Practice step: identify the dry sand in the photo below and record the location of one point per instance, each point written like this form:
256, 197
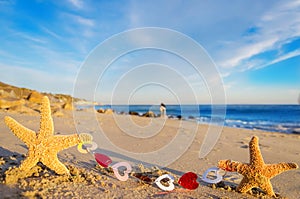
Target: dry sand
89, 180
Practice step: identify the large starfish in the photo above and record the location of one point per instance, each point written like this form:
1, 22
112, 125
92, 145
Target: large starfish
43, 146
256, 173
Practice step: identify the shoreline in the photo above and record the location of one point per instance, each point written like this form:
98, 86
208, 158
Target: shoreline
266, 124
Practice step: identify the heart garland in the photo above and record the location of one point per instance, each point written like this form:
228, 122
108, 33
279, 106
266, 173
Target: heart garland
187, 180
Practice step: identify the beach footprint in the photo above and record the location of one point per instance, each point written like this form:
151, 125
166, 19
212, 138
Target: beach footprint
245, 145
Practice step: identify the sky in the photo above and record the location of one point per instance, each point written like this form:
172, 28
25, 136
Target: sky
253, 45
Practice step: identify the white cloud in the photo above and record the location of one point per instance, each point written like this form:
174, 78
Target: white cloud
85, 21
51, 33
220, 27
31, 38
274, 29
247, 51
62, 61
281, 58
226, 37
76, 3
77, 20
78, 33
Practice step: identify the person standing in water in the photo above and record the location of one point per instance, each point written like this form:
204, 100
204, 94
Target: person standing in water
163, 110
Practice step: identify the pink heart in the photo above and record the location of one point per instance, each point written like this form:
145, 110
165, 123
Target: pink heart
189, 181
102, 159
116, 167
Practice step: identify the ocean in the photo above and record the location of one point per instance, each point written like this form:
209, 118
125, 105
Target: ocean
274, 118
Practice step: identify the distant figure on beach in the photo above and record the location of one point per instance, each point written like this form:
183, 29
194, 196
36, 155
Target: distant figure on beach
163, 110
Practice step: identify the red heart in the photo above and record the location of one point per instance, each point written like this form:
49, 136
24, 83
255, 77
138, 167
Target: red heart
102, 159
189, 181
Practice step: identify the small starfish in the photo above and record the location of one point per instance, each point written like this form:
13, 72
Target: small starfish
256, 173
43, 146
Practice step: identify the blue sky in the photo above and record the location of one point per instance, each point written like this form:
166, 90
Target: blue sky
254, 45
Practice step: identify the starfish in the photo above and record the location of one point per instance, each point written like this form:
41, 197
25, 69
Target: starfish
256, 173
44, 145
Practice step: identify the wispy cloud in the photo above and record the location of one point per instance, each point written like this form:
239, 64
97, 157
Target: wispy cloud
85, 21
275, 29
51, 33
241, 38
77, 19
57, 60
6, 2
76, 3
262, 28
281, 58
247, 51
32, 78
35, 39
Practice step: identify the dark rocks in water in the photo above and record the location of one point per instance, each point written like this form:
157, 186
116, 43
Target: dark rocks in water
191, 117
100, 110
133, 113
296, 131
179, 117
106, 111
149, 114
109, 111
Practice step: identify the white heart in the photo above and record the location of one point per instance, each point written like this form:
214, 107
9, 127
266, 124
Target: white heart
216, 171
170, 182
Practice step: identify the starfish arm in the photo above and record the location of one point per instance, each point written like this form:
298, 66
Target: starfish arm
245, 185
255, 154
272, 170
52, 162
267, 187
62, 142
26, 135
233, 166
13, 175
28, 163
46, 122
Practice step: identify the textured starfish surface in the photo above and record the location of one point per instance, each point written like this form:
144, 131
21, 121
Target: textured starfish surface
44, 145
256, 173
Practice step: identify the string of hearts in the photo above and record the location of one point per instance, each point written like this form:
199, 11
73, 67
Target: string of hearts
187, 180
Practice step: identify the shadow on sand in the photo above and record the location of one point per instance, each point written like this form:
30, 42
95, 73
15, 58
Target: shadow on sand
11, 159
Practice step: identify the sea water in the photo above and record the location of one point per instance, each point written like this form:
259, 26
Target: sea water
275, 118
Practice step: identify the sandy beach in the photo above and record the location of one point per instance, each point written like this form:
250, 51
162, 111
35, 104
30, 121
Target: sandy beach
89, 180
150, 99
